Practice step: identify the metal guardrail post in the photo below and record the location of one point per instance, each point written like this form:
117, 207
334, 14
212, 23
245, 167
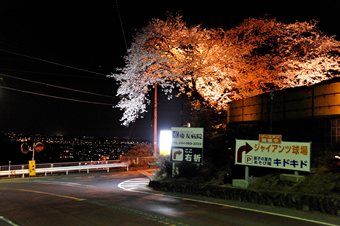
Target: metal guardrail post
22, 167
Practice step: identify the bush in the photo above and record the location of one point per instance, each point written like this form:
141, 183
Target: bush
188, 170
134, 165
165, 167
322, 182
141, 150
143, 162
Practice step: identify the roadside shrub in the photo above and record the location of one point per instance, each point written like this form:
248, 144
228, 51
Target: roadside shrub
165, 167
144, 162
188, 170
141, 150
321, 182
134, 165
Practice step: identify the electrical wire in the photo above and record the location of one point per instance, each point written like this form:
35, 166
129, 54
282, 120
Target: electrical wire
59, 87
126, 46
56, 97
51, 62
121, 25
57, 74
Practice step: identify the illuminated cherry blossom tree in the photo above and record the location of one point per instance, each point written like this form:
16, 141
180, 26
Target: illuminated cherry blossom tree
283, 55
215, 66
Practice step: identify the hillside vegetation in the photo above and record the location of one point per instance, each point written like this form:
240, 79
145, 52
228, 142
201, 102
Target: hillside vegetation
324, 179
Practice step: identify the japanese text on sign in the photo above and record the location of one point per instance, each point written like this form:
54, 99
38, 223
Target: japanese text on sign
269, 138
284, 155
187, 145
187, 137
277, 162
191, 157
294, 149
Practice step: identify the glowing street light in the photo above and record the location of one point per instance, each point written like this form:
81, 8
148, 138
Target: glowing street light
165, 142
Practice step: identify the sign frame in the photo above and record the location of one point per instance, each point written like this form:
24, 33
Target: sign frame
284, 155
187, 145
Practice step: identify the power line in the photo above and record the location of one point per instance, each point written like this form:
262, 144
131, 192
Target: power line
51, 62
121, 25
60, 87
55, 97
57, 74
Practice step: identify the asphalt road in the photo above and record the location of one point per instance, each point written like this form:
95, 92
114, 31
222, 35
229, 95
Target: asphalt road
123, 198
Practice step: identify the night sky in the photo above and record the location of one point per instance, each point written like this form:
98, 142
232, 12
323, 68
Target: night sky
48, 46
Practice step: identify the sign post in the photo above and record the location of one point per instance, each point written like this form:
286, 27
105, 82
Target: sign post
31, 168
9, 167
31, 164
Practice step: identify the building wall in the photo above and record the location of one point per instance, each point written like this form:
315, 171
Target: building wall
307, 112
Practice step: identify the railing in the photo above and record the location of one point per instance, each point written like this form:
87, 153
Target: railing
140, 161
61, 167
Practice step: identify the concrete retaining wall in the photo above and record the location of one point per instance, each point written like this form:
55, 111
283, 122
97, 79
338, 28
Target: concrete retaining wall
324, 204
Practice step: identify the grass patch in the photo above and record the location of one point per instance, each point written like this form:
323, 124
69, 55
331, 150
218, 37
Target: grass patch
324, 180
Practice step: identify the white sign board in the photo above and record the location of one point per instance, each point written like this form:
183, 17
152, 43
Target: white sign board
282, 155
187, 145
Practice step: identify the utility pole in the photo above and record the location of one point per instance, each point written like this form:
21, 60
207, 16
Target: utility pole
182, 111
271, 111
155, 123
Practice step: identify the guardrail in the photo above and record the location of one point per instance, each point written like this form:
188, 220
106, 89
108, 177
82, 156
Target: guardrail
61, 167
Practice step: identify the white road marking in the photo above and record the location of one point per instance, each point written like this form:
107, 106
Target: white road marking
65, 183
60, 183
258, 211
133, 184
150, 176
70, 184
8, 221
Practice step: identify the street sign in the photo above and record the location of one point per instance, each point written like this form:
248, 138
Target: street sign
282, 155
187, 145
177, 154
270, 138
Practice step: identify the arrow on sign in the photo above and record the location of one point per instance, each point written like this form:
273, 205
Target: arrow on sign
177, 153
247, 148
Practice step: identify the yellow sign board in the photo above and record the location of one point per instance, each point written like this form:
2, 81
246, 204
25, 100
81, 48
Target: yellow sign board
31, 168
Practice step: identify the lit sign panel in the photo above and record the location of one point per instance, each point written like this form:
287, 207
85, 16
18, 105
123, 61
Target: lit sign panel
273, 153
187, 144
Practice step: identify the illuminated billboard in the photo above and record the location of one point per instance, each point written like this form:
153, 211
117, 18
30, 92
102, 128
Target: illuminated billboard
273, 153
187, 144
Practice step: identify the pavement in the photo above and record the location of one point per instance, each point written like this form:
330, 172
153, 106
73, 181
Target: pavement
150, 173
315, 217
